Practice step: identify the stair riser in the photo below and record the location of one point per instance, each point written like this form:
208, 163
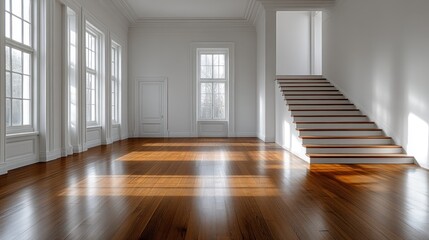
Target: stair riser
362, 160
312, 113
346, 141
287, 98
355, 150
336, 126
321, 107
286, 88
317, 101
341, 133
330, 119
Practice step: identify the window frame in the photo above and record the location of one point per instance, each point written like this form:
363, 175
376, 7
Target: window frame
212, 51
96, 33
116, 82
24, 48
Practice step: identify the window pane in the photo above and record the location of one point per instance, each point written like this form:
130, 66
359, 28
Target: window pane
222, 72
7, 25
209, 59
26, 87
203, 59
27, 34
16, 112
7, 5
216, 59
16, 29
16, 60
206, 101
7, 59
27, 10
26, 112
26, 63
8, 84
17, 7
216, 72
222, 59
8, 112
16, 85
219, 105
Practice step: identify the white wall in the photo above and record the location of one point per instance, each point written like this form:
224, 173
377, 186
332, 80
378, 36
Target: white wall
266, 73
163, 50
377, 52
293, 43
260, 31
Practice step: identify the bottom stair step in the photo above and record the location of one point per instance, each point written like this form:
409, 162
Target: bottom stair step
361, 158
354, 149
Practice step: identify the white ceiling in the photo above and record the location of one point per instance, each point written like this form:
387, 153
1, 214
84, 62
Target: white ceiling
141, 10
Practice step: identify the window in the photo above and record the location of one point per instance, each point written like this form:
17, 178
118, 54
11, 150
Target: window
92, 48
116, 71
212, 84
19, 65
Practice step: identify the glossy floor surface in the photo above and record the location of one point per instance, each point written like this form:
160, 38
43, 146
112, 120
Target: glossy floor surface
210, 189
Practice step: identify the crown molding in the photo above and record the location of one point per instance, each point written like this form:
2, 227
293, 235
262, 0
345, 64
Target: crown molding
126, 10
296, 4
250, 14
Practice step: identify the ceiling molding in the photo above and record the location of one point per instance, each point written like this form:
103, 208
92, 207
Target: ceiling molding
296, 4
126, 9
249, 17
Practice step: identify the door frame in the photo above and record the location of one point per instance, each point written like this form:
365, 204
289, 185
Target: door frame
139, 80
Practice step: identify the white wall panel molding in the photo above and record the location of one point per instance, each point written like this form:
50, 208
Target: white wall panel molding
22, 149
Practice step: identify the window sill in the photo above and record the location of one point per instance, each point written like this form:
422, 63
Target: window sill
212, 121
94, 127
116, 125
20, 135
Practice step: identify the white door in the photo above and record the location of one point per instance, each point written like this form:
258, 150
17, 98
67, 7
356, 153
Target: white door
152, 109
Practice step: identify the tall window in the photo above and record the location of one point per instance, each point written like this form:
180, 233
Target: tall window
213, 84
116, 71
92, 46
19, 65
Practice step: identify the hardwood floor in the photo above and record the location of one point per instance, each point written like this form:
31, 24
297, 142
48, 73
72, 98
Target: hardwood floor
210, 189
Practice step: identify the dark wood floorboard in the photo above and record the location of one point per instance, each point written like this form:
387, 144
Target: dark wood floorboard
210, 189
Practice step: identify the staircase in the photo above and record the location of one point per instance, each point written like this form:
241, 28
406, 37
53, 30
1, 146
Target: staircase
332, 129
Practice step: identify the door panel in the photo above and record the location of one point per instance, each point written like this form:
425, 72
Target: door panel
152, 108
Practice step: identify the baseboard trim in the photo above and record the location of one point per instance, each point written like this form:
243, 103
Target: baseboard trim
246, 134
50, 156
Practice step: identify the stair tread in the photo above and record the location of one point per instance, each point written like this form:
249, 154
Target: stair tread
339, 129
298, 82
312, 90
330, 116
323, 110
320, 104
299, 79
363, 122
346, 137
359, 155
306, 86
353, 146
